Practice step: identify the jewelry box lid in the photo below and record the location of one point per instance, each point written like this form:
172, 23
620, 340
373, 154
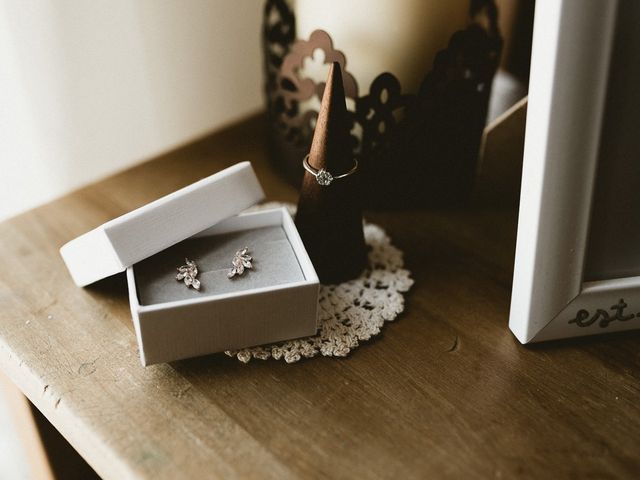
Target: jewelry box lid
134, 236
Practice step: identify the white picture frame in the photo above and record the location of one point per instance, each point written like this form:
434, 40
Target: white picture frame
570, 70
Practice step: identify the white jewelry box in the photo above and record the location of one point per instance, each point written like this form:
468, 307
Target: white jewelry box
275, 301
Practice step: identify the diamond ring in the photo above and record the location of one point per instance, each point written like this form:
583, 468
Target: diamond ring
324, 177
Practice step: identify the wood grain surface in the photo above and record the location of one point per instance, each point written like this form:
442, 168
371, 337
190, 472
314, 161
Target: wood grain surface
445, 392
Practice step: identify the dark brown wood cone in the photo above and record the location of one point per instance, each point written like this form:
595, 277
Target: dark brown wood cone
329, 218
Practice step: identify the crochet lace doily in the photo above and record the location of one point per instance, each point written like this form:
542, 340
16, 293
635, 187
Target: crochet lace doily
350, 312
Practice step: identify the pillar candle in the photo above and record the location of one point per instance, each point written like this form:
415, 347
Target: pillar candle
376, 36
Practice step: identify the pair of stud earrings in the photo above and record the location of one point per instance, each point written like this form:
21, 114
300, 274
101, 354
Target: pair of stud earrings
240, 263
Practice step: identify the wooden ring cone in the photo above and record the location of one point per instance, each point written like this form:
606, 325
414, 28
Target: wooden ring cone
329, 217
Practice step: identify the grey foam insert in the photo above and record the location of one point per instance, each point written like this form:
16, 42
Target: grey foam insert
274, 263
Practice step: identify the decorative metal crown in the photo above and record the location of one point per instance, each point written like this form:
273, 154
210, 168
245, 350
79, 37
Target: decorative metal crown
414, 148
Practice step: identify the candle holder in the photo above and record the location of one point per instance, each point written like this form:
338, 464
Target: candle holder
413, 148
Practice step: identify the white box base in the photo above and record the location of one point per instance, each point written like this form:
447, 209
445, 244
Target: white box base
277, 301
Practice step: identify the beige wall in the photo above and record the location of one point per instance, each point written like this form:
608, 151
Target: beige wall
91, 87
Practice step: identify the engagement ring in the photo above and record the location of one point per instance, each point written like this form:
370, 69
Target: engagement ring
324, 177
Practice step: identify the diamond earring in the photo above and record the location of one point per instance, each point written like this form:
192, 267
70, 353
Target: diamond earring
241, 261
188, 274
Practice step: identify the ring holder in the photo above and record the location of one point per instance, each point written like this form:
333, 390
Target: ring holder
414, 148
329, 219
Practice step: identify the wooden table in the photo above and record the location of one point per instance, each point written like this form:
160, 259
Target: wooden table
445, 392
